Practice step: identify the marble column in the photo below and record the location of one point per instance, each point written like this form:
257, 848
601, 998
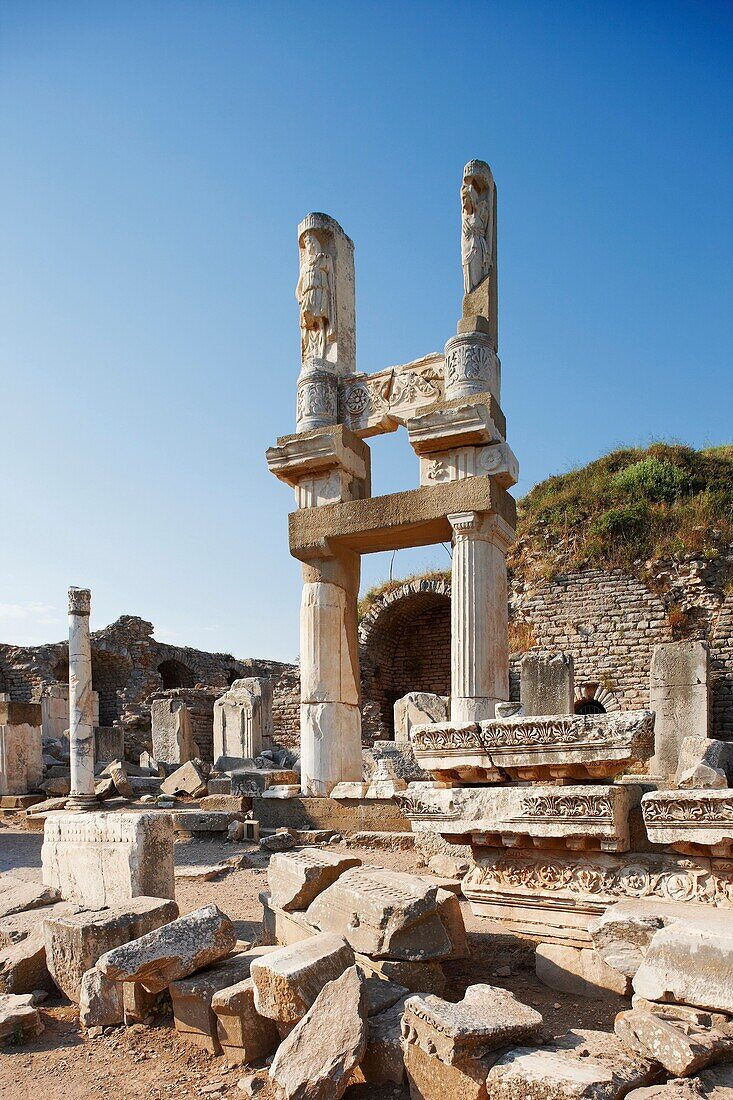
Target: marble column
479, 615
81, 710
330, 718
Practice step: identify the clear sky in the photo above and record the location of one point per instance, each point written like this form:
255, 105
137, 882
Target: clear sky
157, 157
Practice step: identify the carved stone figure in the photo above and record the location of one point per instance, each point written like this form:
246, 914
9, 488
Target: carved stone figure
477, 229
315, 294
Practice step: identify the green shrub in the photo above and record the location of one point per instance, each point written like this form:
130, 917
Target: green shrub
653, 479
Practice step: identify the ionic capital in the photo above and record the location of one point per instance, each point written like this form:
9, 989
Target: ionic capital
483, 526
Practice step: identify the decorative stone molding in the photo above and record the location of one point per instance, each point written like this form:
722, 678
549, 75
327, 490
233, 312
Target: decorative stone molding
690, 820
80, 601
317, 405
471, 366
371, 404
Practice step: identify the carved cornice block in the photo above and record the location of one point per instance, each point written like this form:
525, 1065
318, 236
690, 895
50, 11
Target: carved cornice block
690, 820
454, 426
495, 460
596, 746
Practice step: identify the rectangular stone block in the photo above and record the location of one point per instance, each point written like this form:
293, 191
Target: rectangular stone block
172, 731
690, 962
547, 684
296, 878
192, 997
109, 743
244, 1035
108, 858
21, 748
287, 981
678, 695
579, 971
75, 941
243, 718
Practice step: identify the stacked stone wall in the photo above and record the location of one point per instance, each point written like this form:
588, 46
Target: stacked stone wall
721, 671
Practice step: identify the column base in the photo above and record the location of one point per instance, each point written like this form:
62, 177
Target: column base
472, 710
79, 803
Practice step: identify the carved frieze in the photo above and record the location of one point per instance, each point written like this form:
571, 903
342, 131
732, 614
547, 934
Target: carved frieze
690, 820
370, 404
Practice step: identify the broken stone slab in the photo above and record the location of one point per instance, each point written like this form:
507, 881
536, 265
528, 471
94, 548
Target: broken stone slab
703, 763
108, 858
459, 1034
19, 1018
418, 708
19, 926
349, 790
118, 775
46, 806
189, 779
206, 821
383, 1062
287, 981
75, 941
382, 994
680, 1045
384, 914
282, 790
715, 1083
579, 1066
577, 816
253, 781
451, 917
448, 866
173, 951
690, 820
622, 934
318, 1057
547, 683
579, 746
578, 970
244, 1035
691, 962
416, 977
17, 895
192, 997
23, 964
100, 1000
279, 841
296, 878
230, 803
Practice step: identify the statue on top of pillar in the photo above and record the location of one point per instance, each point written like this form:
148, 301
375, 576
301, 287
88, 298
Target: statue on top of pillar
477, 223
316, 297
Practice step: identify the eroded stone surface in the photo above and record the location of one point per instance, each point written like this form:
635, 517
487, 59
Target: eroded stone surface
17, 895
690, 962
296, 878
703, 762
193, 1011
383, 1062
690, 819
578, 970
622, 934
287, 981
173, 951
682, 1045
19, 1018
100, 1000
317, 1058
244, 1035
188, 779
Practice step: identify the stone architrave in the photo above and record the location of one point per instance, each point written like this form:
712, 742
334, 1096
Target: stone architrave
172, 731
326, 298
479, 615
243, 719
577, 746
330, 719
678, 695
108, 858
21, 748
81, 709
417, 708
324, 466
574, 817
547, 684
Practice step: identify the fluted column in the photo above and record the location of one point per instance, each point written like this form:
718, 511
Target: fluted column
479, 615
81, 711
330, 719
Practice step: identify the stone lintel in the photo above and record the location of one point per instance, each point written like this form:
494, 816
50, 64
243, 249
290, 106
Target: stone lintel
416, 517
319, 450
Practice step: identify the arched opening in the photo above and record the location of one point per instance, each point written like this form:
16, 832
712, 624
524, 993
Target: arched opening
592, 698
110, 675
233, 675
175, 674
589, 706
405, 645
61, 670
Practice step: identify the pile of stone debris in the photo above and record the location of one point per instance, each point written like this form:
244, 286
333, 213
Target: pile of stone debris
346, 986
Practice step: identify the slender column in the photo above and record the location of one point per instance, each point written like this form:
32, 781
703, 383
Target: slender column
330, 719
81, 711
479, 615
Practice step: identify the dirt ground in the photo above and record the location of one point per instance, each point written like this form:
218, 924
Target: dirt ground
151, 1062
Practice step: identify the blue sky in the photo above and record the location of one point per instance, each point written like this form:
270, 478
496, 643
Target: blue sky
157, 157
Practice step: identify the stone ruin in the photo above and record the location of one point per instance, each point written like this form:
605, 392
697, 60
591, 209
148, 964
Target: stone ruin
604, 839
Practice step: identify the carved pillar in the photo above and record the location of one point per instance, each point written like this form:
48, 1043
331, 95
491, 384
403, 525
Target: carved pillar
81, 710
479, 615
330, 719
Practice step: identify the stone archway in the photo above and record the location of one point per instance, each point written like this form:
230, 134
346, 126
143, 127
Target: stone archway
404, 645
592, 698
175, 674
110, 675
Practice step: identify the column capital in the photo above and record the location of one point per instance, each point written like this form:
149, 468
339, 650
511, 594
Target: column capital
486, 526
80, 601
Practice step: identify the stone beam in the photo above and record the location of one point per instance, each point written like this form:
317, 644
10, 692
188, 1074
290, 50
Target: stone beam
416, 517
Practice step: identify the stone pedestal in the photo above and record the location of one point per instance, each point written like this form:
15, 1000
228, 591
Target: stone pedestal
678, 694
21, 763
172, 731
547, 684
243, 719
81, 707
330, 719
479, 618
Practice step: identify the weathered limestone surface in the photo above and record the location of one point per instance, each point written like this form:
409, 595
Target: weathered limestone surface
383, 913
75, 941
578, 970
17, 895
678, 695
23, 964
417, 708
244, 1035
622, 933
597, 815
287, 982
703, 762
383, 1062
188, 779
173, 951
243, 718
319, 1055
296, 878
21, 748
107, 858
715, 1083
594, 746
682, 1042
547, 684
554, 896
172, 731
690, 820
582, 1064
416, 977
19, 1016
690, 962
100, 1000
192, 997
